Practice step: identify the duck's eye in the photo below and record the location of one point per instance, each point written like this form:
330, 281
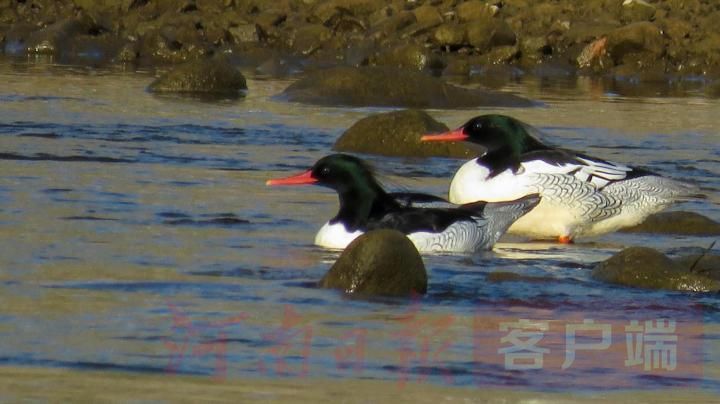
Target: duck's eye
477, 125
325, 171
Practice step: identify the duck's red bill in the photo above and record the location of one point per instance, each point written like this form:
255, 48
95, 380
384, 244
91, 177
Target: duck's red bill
300, 179
456, 135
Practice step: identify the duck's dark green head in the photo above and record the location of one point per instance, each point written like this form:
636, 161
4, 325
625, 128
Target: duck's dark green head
493, 133
340, 172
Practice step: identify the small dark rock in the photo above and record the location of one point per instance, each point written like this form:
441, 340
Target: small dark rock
687, 223
398, 133
204, 76
376, 86
643, 267
380, 262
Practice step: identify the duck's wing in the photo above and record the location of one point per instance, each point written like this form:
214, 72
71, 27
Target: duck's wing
598, 172
420, 200
433, 220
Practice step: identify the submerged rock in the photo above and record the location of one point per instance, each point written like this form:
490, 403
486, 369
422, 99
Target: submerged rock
687, 223
398, 133
380, 262
388, 87
505, 276
643, 267
203, 76
702, 264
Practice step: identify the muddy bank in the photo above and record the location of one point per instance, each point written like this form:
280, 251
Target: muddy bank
646, 41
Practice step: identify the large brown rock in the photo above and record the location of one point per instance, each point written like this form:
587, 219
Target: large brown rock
646, 268
677, 222
380, 262
202, 76
398, 133
387, 87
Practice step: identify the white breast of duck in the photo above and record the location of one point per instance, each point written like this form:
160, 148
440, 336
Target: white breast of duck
461, 236
335, 235
568, 206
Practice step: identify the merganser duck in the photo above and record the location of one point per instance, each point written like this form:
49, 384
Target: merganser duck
581, 195
430, 222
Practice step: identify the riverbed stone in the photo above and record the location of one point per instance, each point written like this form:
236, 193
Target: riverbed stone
637, 10
53, 38
684, 37
203, 76
474, 10
639, 37
389, 87
490, 32
646, 268
378, 263
412, 56
427, 16
244, 33
676, 222
309, 38
450, 34
398, 133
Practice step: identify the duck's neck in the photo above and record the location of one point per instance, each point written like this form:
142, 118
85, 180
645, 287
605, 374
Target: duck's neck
359, 204
509, 156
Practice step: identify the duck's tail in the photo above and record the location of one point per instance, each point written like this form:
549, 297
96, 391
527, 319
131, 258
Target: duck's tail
501, 215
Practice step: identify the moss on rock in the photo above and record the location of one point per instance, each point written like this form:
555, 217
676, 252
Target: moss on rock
398, 133
646, 268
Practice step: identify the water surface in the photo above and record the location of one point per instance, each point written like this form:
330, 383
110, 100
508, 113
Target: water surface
137, 235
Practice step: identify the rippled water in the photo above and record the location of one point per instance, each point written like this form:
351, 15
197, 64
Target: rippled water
136, 234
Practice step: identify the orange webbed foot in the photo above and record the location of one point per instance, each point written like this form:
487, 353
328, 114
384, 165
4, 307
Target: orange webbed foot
565, 240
